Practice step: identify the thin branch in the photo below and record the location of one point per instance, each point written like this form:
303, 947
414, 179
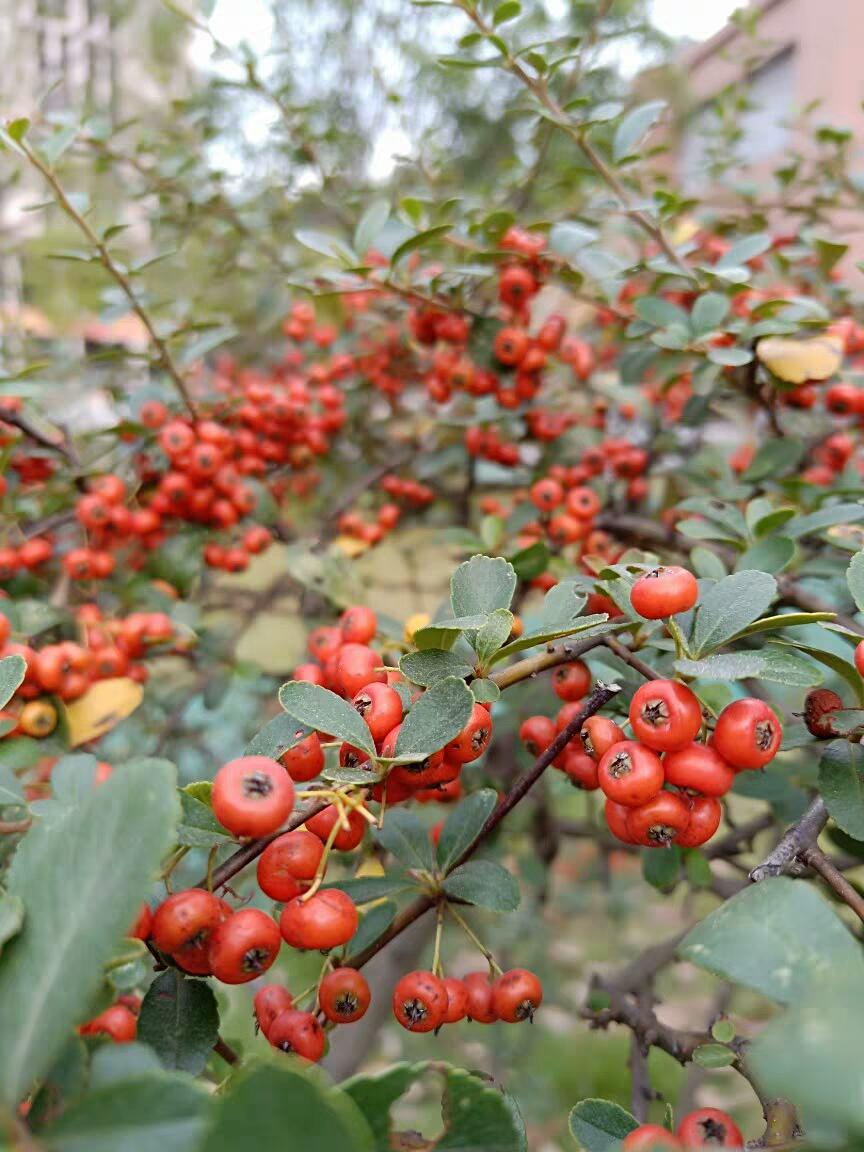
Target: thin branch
625, 654
223, 1049
786, 857
601, 695
819, 862
164, 358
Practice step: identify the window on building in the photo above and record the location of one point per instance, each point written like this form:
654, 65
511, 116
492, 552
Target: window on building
764, 126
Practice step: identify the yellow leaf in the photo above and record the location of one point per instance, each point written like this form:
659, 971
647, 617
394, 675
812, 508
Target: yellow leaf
797, 361
371, 866
415, 623
101, 708
685, 230
350, 546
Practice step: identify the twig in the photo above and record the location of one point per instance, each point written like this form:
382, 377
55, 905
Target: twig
164, 357
223, 1049
787, 856
624, 653
819, 862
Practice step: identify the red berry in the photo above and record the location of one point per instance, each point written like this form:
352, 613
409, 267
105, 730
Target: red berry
580, 769
270, 1001
252, 796
344, 995
457, 1000
598, 734
358, 625
709, 1128
664, 592
480, 1006
420, 1002
243, 946
630, 774
287, 861
347, 839
184, 918
705, 816
516, 995
381, 708
537, 733
571, 681
474, 738
300, 1033
698, 768
747, 734
650, 1138
326, 920
659, 821
304, 760
665, 715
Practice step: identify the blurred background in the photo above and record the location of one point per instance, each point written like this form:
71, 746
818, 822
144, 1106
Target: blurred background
174, 134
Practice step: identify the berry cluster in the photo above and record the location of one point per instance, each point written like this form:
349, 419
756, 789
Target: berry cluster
702, 1128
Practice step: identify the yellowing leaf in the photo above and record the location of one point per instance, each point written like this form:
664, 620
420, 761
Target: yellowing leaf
101, 708
796, 361
371, 866
415, 623
685, 230
350, 546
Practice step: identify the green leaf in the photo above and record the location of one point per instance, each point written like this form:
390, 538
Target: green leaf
600, 1126
370, 225
730, 605
825, 518
812, 1054
148, 1113
365, 889
768, 664
12, 672
420, 239
774, 458
485, 883
698, 869
82, 880
263, 1106
709, 312
714, 1056
770, 555
276, 737
509, 10
778, 937
198, 827
723, 1030
784, 620
11, 917
373, 923
431, 665
841, 782
478, 1115
569, 237
493, 635
855, 579
661, 867
730, 357
481, 585
485, 691
634, 127
324, 711
436, 718
744, 250
405, 838
660, 313
584, 627
531, 561
463, 825
11, 788
836, 663
320, 242
180, 1021
707, 564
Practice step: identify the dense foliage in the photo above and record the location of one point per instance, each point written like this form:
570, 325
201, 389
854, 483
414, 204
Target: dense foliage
623, 423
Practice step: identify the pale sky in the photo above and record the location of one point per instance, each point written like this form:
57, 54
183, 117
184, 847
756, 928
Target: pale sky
233, 23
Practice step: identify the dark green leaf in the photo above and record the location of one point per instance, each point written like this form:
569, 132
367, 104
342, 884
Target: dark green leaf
661, 867
855, 579
730, 605
421, 239
774, 458
404, 837
276, 737
436, 718
463, 825
841, 782
600, 1126
493, 635
180, 1021
825, 518
198, 827
323, 710
485, 883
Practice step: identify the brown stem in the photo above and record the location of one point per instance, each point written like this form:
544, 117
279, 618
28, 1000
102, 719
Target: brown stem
819, 862
551, 658
801, 836
624, 653
223, 1049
